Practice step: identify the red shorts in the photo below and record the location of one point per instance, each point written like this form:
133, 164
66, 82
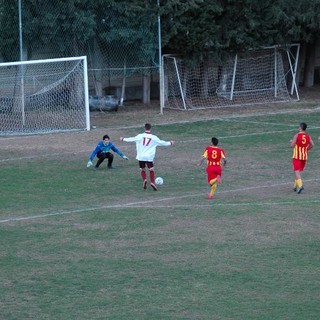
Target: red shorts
213, 172
298, 165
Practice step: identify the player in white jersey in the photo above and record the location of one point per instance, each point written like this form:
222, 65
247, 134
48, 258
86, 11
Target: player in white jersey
146, 145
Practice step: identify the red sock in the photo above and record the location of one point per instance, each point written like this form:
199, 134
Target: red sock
152, 176
143, 175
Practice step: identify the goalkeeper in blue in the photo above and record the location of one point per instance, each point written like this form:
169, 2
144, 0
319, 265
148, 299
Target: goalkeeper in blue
103, 151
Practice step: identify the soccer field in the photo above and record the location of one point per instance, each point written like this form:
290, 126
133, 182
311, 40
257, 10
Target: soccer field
83, 244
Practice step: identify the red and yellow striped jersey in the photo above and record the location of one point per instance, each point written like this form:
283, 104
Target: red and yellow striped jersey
214, 155
300, 149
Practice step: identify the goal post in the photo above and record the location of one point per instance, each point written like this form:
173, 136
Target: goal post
44, 96
262, 76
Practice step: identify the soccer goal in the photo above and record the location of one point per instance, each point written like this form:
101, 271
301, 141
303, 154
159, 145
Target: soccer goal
256, 77
43, 96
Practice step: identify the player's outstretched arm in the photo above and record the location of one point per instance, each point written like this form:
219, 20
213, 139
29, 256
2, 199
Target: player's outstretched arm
130, 139
199, 164
311, 145
293, 141
162, 143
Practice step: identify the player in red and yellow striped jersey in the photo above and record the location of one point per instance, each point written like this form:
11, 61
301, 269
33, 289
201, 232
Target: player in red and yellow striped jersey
215, 157
301, 144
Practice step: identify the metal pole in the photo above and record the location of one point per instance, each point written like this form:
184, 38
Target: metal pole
294, 69
161, 84
21, 68
275, 73
234, 76
20, 31
86, 92
180, 84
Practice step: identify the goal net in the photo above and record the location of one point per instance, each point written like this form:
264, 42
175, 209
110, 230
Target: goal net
257, 77
44, 96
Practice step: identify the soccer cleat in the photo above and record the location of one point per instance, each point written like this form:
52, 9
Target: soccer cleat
295, 189
210, 196
299, 190
154, 187
111, 167
144, 184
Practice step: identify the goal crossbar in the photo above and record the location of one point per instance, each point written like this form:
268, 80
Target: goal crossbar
43, 96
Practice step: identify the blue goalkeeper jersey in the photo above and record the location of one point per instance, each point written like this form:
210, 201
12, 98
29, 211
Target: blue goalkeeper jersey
101, 147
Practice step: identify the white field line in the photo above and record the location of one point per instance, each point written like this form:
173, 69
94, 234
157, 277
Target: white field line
249, 134
37, 156
136, 204
227, 117
151, 203
234, 204
184, 141
261, 122
207, 118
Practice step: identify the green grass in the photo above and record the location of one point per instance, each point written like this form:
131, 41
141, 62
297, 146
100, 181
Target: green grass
79, 244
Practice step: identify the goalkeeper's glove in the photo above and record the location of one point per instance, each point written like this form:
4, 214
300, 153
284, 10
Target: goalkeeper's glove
89, 164
125, 157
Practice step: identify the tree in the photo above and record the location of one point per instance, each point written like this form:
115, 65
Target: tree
309, 21
126, 38
9, 35
63, 25
224, 27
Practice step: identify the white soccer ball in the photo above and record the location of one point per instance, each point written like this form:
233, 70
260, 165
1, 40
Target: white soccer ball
159, 181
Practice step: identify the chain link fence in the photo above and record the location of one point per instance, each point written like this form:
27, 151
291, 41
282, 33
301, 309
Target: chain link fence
119, 38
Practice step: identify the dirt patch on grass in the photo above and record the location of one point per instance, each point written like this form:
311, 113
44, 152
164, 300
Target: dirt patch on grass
136, 115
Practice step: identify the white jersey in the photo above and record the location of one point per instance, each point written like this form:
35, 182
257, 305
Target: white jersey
146, 145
